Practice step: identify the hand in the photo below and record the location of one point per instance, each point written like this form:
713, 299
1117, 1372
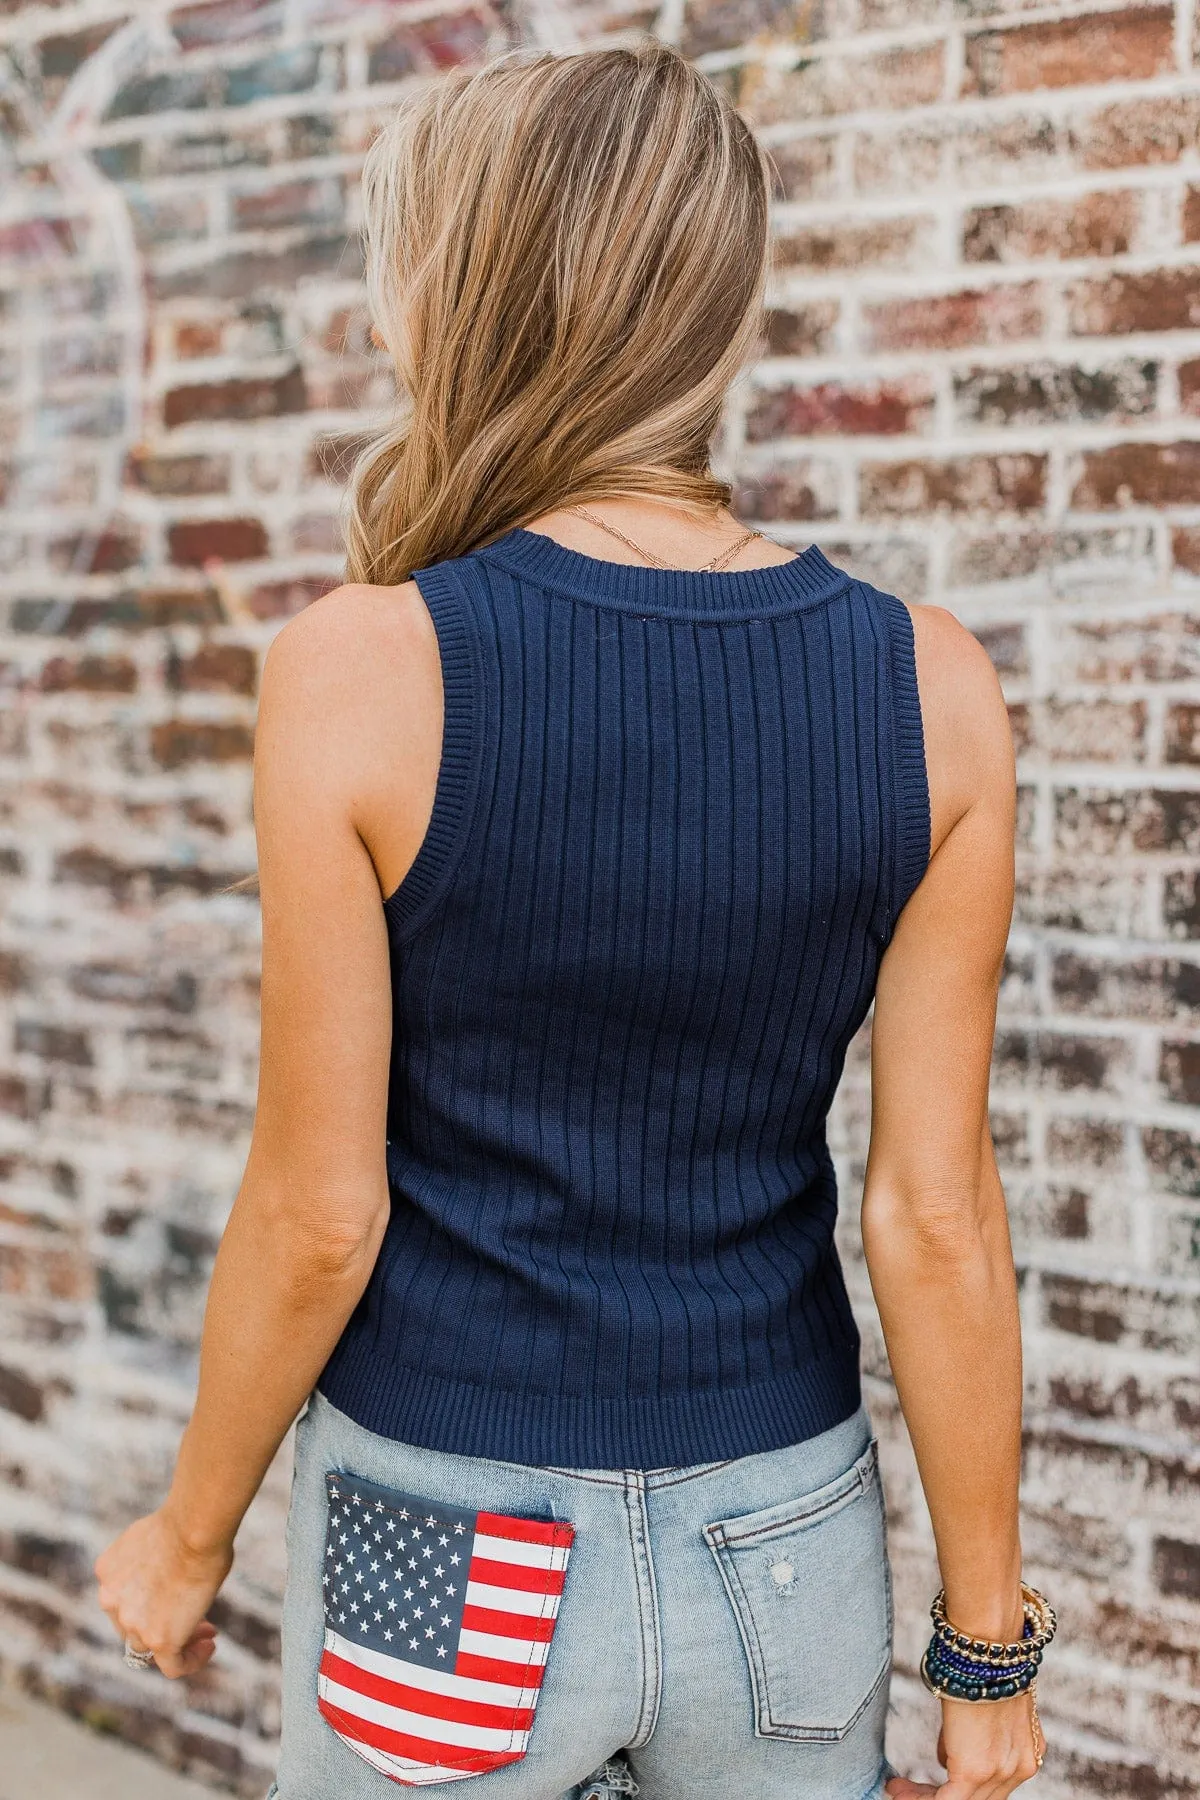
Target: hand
987, 1749
156, 1589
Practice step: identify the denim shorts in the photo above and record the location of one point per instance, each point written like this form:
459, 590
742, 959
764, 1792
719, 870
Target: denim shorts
704, 1633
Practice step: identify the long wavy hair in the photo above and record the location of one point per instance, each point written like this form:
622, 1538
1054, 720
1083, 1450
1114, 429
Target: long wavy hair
566, 256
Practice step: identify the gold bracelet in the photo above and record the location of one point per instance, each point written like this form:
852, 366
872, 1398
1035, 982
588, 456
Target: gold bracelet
1038, 1613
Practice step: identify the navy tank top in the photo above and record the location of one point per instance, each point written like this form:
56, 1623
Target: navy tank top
676, 818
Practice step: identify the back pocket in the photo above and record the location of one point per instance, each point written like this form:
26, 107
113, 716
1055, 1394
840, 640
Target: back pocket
438, 1624
810, 1584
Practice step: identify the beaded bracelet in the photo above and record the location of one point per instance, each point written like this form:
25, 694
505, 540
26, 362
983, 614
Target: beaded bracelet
969, 1668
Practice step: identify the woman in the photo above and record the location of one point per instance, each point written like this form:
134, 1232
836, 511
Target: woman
589, 825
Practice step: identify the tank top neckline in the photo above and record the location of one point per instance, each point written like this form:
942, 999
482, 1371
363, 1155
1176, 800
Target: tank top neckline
805, 580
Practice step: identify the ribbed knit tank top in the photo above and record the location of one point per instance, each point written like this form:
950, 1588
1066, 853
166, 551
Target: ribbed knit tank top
676, 817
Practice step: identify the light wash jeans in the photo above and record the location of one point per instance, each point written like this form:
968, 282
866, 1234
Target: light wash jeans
724, 1631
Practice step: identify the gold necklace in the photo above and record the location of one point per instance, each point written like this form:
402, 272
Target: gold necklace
717, 562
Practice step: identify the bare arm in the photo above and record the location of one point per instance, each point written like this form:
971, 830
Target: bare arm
934, 1224
310, 1212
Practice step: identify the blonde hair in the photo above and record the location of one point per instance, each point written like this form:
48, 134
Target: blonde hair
565, 259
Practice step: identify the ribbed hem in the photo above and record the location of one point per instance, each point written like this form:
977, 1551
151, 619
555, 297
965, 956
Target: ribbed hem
410, 903
806, 580
653, 1431
912, 777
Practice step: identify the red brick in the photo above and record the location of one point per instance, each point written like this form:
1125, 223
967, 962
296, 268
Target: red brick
1088, 730
825, 86
797, 490
53, 1043
195, 339
1173, 1158
174, 475
280, 599
210, 152
249, 274
1099, 822
428, 44
14, 973
146, 609
290, 203
891, 162
1185, 548
1159, 300
107, 553
1007, 648
1183, 734
317, 531
1083, 900
177, 742
1140, 475
887, 559
1159, 647
165, 219
90, 868
1177, 1570
881, 243
1163, 989
805, 329
82, 353
1179, 1072
1010, 1134
995, 315
21, 1395
194, 542
1130, 45
983, 558
1158, 129
259, 1635
710, 25
295, 70
61, 56
88, 675
1074, 1306
988, 151
1051, 393
250, 398
805, 168
1175, 1723
230, 667
1086, 1143
332, 458
24, 1098
1061, 1062
347, 332
225, 22
1189, 386
1094, 225
1005, 483
836, 408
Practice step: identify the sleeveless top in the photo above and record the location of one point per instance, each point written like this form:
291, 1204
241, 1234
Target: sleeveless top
676, 818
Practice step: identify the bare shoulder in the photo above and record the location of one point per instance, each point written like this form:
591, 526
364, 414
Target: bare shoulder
968, 742
350, 689
346, 648
347, 628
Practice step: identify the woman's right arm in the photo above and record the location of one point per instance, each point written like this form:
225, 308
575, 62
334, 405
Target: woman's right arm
934, 1225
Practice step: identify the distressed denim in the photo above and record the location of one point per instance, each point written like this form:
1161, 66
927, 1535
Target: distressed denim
724, 1631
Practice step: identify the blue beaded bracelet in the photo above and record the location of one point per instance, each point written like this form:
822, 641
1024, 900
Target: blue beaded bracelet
961, 1680
966, 1668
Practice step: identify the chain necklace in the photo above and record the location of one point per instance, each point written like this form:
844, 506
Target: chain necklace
717, 562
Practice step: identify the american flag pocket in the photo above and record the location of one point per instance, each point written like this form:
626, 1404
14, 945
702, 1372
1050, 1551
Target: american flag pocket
438, 1623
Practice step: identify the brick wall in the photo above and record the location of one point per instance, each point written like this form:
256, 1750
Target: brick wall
982, 387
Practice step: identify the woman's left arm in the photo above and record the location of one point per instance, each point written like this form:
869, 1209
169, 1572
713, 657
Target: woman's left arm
312, 1205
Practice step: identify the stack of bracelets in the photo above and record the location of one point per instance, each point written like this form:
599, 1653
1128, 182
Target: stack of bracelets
969, 1668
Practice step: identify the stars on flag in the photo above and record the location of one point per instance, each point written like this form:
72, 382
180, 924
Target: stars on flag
402, 1572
